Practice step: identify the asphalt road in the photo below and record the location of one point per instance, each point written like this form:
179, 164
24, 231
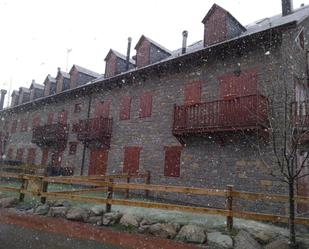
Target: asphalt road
14, 237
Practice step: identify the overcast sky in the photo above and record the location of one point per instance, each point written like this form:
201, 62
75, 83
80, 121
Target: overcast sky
35, 34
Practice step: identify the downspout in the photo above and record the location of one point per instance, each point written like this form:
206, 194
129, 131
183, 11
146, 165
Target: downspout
85, 147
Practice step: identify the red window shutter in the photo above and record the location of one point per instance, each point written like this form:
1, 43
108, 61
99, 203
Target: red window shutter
102, 109
31, 156
125, 108
24, 124
145, 105
14, 126
36, 121
50, 117
62, 117
44, 157
20, 154
10, 153
192, 93
172, 161
131, 159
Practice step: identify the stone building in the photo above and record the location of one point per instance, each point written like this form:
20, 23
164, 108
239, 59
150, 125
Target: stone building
189, 115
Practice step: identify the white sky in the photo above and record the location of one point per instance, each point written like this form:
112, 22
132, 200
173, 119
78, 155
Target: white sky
35, 34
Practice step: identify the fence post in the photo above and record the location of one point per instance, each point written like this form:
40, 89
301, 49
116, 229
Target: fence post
147, 182
22, 187
127, 190
44, 190
109, 196
229, 207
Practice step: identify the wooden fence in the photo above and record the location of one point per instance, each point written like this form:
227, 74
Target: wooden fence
38, 186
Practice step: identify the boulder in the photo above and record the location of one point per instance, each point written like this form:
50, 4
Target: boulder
96, 220
278, 244
42, 209
147, 222
217, 239
58, 212
192, 234
97, 210
59, 203
8, 202
264, 236
77, 214
111, 218
243, 240
167, 231
129, 220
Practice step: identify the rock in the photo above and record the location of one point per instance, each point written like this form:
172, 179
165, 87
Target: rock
129, 220
111, 218
192, 233
58, 212
42, 209
77, 214
96, 220
143, 229
97, 210
220, 240
25, 206
264, 236
167, 231
278, 244
243, 240
147, 222
59, 203
8, 202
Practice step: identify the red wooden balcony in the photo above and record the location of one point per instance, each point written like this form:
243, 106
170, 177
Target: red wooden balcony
95, 130
239, 113
50, 135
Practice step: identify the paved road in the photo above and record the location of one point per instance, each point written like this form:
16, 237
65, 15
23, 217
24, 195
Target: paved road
14, 237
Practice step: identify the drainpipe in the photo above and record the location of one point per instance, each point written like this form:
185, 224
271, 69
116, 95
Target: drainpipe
85, 147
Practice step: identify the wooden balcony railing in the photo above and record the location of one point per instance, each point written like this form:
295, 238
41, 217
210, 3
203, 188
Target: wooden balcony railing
95, 130
300, 114
239, 113
54, 134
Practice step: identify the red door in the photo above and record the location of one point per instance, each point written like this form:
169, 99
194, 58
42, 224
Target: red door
102, 109
98, 162
131, 159
232, 110
44, 157
303, 183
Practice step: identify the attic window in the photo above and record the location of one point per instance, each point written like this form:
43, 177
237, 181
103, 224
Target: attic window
300, 39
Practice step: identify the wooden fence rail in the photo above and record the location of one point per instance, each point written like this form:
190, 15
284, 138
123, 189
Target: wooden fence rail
38, 186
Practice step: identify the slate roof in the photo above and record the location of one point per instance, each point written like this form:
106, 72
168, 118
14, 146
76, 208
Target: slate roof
65, 74
51, 79
86, 71
15, 92
154, 43
120, 55
24, 89
36, 85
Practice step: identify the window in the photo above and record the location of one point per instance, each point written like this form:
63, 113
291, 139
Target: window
20, 154
77, 107
24, 125
192, 93
300, 39
131, 159
72, 148
125, 108
14, 126
50, 117
36, 121
31, 156
102, 109
10, 153
62, 117
75, 126
172, 161
145, 105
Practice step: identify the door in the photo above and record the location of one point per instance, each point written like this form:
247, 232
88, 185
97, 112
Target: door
102, 109
63, 117
98, 162
303, 183
233, 110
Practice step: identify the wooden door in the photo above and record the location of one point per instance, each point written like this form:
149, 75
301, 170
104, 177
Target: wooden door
102, 109
62, 117
131, 159
44, 160
98, 162
303, 183
232, 87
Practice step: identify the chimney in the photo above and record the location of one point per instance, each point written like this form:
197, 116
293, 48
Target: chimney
59, 69
3, 92
128, 54
287, 7
184, 41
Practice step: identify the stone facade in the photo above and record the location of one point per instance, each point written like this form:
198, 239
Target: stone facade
211, 160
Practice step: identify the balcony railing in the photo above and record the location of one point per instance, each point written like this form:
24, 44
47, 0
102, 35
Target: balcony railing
95, 130
300, 114
53, 134
239, 113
